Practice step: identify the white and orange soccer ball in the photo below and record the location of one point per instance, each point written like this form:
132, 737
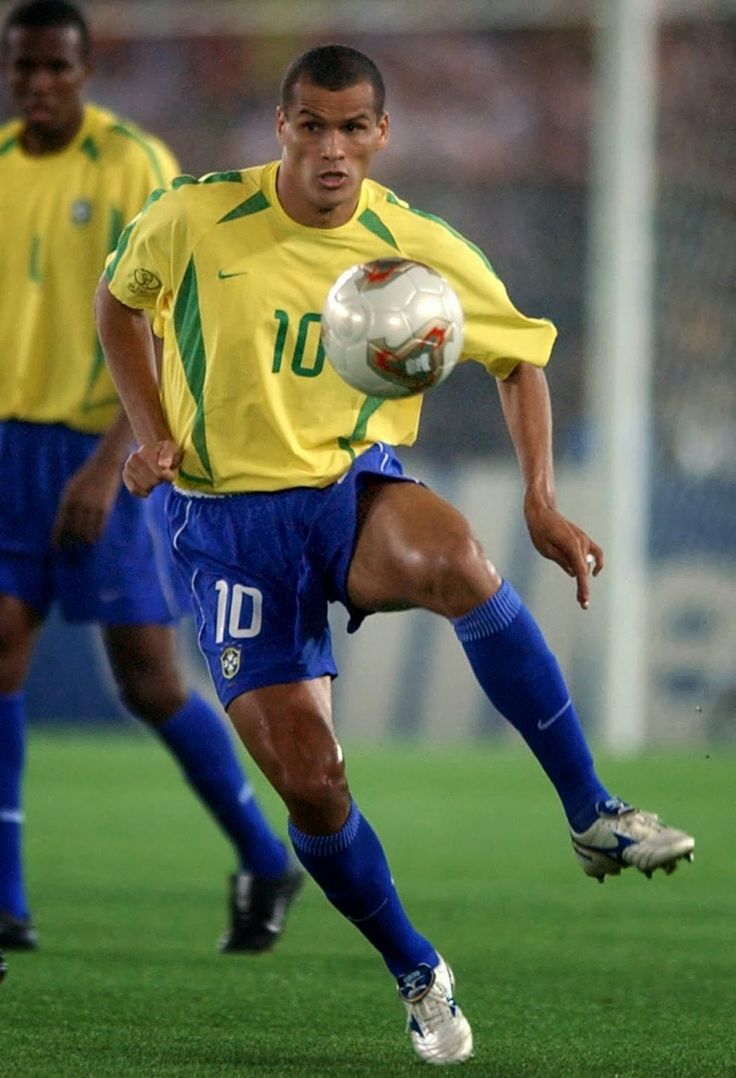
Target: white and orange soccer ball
392, 327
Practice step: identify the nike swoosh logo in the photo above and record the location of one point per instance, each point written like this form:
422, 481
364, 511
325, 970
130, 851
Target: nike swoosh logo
542, 724
224, 276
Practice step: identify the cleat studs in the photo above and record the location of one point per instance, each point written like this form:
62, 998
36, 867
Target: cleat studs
647, 872
689, 857
601, 879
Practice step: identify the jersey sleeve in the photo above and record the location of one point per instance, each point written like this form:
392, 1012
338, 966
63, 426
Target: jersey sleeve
497, 335
139, 270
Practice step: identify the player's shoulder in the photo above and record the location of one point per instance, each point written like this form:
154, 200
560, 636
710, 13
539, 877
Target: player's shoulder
197, 204
419, 233
115, 140
219, 193
385, 201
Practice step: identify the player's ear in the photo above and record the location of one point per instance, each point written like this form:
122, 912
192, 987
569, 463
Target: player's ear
383, 128
280, 122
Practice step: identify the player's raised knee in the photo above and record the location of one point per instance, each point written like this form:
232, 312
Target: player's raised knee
457, 576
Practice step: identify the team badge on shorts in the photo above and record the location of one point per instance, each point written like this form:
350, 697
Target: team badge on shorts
230, 662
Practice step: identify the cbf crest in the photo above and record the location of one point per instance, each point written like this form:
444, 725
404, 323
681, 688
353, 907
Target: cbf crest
230, 662
81, 212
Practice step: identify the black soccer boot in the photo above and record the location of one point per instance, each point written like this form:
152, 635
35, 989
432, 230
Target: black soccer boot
17, 933
258, 908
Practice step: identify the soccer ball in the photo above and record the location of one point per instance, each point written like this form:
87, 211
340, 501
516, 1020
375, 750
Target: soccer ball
392, 327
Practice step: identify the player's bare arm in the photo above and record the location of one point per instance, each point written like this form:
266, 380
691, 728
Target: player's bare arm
90, 493
129, 349
526, 408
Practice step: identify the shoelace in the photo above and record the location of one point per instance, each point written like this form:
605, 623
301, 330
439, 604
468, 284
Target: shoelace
648, 819
434, 1010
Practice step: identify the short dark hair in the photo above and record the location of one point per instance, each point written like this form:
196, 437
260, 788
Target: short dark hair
333, 67
38, 13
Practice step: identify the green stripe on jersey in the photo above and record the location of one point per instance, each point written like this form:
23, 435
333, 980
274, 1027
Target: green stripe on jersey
370, 220
223, 177
98, 364
369, 406
254, 204
125, 235
443, 224
129, 132
34, 260
213, 177
190, 341
89, 146
183, 180
8, 144
115, 224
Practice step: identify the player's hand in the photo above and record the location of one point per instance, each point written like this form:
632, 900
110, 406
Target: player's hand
557, 538
151, 465
85, 505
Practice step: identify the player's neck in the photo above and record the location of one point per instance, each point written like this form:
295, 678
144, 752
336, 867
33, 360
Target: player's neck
304, 211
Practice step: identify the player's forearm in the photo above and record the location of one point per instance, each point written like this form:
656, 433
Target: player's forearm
127, 342
115, 444
528, 414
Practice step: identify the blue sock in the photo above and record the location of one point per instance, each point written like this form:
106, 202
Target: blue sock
521, 678
200, 741
351, 868
12, 755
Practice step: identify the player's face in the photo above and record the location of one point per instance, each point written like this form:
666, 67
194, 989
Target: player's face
46, 73
328, 139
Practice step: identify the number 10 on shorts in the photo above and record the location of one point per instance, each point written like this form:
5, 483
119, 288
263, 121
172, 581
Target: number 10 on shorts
233, 606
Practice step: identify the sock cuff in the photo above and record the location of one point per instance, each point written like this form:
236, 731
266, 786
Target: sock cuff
324, 845
492, 616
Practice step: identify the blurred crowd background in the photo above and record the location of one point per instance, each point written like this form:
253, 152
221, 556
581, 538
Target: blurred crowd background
492, 130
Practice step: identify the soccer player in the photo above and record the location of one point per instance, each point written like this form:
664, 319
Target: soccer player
287, 493
71, 175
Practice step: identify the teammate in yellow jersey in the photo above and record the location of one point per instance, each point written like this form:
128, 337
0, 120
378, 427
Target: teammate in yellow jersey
305, 501
71, 175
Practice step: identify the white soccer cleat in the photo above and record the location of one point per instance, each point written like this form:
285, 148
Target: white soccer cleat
623, 836
439, 1030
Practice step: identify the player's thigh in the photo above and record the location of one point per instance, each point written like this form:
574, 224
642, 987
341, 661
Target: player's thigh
415, 549
19, 627
261, 614
127, 577
287, 729
144, 663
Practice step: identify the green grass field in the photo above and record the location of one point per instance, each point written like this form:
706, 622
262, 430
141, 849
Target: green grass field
558, 975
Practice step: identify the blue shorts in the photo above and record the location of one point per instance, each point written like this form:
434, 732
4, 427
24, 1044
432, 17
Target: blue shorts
126, 578
262, 569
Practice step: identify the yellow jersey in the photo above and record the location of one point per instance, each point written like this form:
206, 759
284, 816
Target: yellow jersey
236, 288
60, 215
